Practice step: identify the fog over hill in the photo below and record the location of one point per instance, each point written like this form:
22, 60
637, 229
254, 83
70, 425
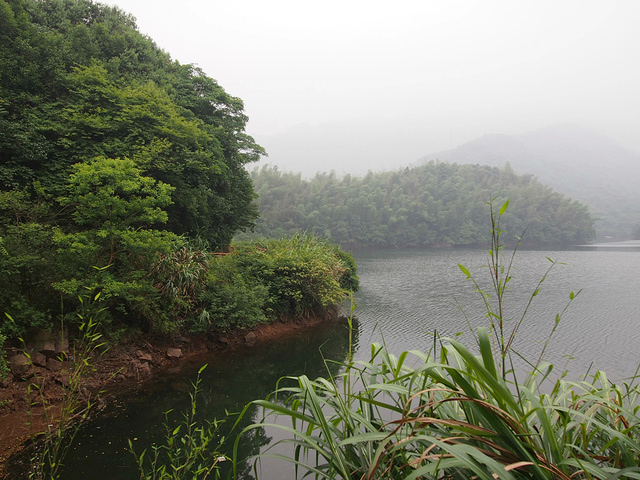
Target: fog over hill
573, 160
577, 162
353, 147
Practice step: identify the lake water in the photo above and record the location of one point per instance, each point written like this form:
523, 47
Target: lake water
405, 297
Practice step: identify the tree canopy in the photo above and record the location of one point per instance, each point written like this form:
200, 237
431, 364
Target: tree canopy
78, 81
436, 204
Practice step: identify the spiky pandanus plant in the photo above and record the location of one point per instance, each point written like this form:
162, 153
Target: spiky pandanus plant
180, 276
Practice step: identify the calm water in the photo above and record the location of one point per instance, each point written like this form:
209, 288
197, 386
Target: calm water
405, 296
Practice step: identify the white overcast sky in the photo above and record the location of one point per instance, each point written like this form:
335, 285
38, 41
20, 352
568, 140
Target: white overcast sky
449, 70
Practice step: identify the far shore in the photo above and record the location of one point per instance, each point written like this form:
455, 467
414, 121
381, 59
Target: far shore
633, 244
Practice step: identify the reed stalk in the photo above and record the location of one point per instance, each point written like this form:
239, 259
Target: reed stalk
190, 450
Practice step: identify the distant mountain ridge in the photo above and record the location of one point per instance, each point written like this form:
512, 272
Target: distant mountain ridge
572, 160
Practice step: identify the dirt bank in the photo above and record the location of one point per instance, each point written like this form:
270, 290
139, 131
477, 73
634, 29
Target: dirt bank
29, 404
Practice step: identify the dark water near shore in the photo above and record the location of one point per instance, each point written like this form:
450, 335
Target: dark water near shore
405, 296
230, 380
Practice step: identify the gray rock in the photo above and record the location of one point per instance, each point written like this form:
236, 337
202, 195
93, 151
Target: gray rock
138, 369
144, 356
144, 369
134, 369
20, 365
39, 359
50, 343
174, 353
64, 378
250, 338
62, 344
54, 365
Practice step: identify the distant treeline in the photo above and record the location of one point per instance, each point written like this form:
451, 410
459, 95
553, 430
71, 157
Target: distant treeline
436, 204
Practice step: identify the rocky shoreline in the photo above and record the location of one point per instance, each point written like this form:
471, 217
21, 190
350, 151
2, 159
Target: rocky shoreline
39, 383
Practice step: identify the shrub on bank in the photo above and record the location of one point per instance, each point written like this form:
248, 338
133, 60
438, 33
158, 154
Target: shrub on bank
232, 297
278, 279
305, 275
165, 283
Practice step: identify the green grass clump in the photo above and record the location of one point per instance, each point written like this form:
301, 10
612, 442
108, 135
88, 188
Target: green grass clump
454, 417
189, 451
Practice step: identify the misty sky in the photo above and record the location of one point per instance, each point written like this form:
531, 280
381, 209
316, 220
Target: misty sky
427, 75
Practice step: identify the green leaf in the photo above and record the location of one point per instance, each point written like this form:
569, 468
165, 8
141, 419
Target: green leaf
504, 207
464, 270
486, 351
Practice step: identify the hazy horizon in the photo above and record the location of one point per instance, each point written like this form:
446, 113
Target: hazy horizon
412, 78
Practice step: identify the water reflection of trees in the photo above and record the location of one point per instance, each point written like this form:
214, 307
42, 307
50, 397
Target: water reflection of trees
249, 374
233, 378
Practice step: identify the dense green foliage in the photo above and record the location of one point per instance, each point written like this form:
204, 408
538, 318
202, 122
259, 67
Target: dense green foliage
78, 81
435, 204
180, 286
281, 279
304, 275
121, 171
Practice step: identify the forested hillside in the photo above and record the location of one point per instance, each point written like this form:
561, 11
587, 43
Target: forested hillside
572, 160
121, 172
432, 205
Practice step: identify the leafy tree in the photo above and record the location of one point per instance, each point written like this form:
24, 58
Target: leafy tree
113, 207
77, 80
111, 195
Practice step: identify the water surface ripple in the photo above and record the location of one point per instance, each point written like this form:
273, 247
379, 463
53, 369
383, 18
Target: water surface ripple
407, 295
